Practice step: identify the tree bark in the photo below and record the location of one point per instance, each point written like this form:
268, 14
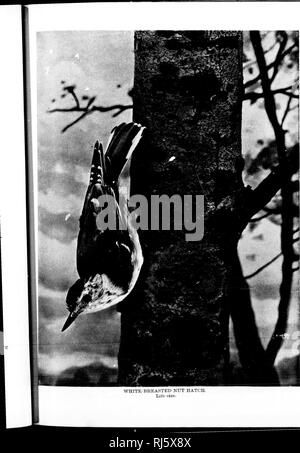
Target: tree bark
188, 93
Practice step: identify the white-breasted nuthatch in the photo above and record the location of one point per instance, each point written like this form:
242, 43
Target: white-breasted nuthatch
108, 261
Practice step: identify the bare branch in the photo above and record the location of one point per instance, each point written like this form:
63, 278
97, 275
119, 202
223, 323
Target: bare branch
295, 107
75, 98
287, 110
271, 47
75, 121
270, 66
253, 96
278, 58
267, 264
87, 109
256, 200
263, 267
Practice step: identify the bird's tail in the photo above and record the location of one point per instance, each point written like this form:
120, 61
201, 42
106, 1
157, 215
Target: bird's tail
110, 172
122, 142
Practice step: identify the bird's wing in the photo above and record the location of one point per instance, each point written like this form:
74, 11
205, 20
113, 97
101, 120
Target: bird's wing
88, 230
108, 176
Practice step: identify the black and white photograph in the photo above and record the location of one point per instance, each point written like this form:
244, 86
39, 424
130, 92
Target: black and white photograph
210, 113
150, 215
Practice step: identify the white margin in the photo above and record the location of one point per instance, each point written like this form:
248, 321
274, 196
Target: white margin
13, 222
167, 15
218, 406
236, 407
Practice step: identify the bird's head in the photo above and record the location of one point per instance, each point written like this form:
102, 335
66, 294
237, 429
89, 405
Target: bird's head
77, 301
93, 294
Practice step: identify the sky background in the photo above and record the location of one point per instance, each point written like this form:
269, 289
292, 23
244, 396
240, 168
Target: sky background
102, 64
98, 63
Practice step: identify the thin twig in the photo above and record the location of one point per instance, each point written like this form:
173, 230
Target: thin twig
270, 66
263, 267
287, 110
278, 57
266, 264
76, 121
295, 107
88, 110
257, 199
253, 96
75, 98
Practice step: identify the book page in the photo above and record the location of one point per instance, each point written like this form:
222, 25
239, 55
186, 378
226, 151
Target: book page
193, 336
14, 224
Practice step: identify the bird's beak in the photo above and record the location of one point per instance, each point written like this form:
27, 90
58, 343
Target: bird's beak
71, 318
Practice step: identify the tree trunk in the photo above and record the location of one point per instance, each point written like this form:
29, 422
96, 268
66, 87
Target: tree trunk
257, 370
188, 93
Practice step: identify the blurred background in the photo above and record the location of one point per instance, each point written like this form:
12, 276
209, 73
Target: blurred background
94, 70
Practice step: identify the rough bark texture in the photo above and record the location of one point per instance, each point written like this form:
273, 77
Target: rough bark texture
188, 93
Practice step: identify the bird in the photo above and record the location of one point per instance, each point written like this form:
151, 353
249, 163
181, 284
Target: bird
108, 260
